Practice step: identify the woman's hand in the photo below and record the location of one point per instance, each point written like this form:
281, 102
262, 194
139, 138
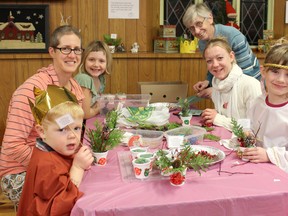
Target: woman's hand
256, 155
201, 85
202, 90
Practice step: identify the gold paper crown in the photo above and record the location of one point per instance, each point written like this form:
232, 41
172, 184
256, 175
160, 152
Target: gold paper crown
46, 100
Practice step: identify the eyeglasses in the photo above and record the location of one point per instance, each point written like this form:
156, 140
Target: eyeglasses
198, 24
67, 50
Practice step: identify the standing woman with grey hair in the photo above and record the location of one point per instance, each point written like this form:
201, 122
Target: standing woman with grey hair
199, 20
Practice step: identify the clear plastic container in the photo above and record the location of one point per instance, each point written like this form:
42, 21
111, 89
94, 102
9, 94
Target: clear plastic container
192, 134
150, 139
108, 102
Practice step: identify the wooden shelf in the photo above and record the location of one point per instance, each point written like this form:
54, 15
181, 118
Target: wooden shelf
124, 55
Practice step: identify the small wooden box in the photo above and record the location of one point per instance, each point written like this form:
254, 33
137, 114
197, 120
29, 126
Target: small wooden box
167, 31
166, 45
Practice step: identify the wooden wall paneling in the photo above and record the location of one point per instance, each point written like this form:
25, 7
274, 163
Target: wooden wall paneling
8, 86
119, 76
149, 18
131, 33
186, 74
168, 69
101, 25
55, 10
154, 21
202, 71
132, 76
279, 19
147, 70
22, 71
117, 26
87, 21
195, 71
142, 25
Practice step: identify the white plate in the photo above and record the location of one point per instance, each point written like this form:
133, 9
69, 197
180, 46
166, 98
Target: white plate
230, 144
170, 106
220, 155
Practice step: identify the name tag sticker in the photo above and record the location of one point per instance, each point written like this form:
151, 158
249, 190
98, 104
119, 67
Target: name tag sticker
175, 141
64, 120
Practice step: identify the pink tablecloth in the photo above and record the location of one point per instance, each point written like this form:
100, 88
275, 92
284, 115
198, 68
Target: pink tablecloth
265, 192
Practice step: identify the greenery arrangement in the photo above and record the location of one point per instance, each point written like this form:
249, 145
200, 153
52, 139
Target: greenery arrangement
245, 138
105, 137
212, 137
168, 126
111, 41
185, 103
181, 160
185, 107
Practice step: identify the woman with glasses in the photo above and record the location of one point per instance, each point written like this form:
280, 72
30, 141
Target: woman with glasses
20, 135
199, 20
96, 62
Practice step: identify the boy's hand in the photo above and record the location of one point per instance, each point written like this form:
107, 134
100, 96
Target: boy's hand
83, 158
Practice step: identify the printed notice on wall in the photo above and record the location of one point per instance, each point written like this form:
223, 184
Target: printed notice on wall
286, 19
123, 9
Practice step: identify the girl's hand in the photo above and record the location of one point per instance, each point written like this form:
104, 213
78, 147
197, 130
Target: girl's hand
208, 116
256, 155
83, 158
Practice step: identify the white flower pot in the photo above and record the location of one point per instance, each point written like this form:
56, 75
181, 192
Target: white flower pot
112, 49
100, 158
141, 170
186, 120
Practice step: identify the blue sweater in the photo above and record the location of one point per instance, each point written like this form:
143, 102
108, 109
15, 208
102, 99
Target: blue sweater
245, 58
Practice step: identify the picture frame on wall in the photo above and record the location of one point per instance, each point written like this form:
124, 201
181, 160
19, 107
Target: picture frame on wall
24, 28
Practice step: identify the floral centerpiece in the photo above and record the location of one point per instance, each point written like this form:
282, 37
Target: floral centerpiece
105, 137
176, 163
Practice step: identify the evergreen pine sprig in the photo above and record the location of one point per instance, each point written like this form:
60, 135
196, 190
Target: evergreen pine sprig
185, 107
105, 137
180, 160
237, 129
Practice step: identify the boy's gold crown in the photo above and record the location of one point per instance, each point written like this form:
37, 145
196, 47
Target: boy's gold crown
46, 100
